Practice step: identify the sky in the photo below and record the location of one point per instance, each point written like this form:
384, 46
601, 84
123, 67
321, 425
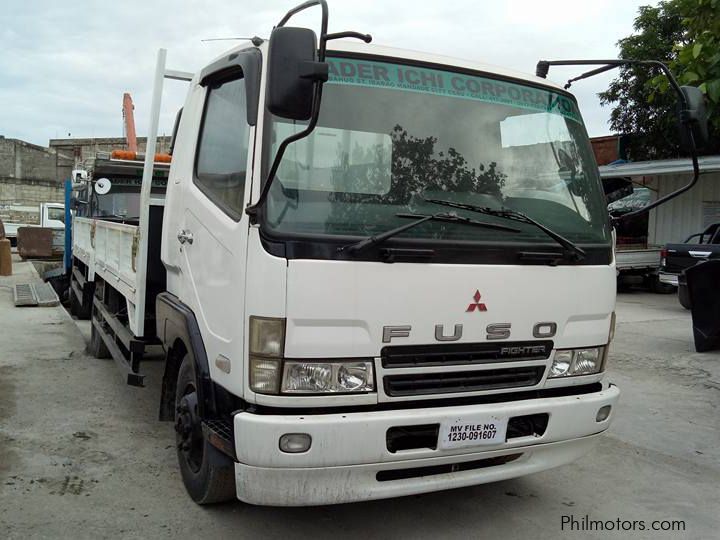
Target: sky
65, 65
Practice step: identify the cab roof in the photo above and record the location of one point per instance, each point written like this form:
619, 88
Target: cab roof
356, 47
420, 56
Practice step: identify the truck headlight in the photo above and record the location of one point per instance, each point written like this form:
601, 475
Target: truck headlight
266, 345
586, 361
270, 373
573, 362
561, 364
308, 377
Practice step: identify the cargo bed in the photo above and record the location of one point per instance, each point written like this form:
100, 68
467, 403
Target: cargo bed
629, 259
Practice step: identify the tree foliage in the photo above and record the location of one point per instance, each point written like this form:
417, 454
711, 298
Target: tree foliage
698, 60
686, 35
415, 168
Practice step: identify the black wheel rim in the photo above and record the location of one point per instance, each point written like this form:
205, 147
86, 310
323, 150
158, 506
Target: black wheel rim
188, 429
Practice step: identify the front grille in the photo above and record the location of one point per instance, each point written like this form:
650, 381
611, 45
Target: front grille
459, 354
414, 384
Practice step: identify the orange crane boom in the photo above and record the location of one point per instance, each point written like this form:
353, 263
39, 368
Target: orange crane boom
129, 119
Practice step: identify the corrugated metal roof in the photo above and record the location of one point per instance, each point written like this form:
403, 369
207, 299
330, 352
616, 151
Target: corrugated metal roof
659, 167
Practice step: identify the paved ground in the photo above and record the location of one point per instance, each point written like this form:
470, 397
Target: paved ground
82, 456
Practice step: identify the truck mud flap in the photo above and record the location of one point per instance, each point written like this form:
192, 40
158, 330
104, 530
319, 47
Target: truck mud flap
702, 284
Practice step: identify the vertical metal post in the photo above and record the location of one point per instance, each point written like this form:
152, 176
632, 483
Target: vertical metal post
67, 252
142, 256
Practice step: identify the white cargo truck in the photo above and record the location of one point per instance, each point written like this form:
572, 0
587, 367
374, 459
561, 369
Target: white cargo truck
375, 272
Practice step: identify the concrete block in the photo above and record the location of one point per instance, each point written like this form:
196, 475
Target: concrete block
35, 242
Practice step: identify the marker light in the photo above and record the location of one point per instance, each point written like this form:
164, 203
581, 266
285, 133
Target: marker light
603, 413
266, 344
295, 443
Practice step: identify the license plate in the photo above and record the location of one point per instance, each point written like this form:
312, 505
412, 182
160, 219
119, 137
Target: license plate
467, 431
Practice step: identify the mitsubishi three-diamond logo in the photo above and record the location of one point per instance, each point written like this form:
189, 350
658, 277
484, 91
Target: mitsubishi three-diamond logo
476, 305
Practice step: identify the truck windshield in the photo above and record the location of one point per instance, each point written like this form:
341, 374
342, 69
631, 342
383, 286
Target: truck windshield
118, 203
391, 136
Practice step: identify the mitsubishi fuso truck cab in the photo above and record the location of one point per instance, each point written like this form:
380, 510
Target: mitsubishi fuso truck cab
385, 272
466, 348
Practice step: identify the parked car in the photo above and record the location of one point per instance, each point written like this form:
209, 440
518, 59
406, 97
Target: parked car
676, 258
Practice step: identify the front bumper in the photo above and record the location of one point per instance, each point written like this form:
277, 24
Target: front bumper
348, 450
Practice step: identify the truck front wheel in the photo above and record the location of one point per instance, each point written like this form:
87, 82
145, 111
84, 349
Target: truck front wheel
208, 474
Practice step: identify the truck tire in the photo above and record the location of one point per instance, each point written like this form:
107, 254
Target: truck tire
208, 475
684, 296
97, 347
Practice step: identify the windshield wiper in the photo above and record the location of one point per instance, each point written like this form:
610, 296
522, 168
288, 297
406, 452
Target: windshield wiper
445, 217
576, 252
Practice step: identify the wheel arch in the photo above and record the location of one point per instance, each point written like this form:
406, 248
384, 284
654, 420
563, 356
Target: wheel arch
178, 329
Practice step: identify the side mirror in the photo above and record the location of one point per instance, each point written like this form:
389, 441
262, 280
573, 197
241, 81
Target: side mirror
293, 72
694, 118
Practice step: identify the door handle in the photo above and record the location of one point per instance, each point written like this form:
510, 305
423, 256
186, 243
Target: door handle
185, 236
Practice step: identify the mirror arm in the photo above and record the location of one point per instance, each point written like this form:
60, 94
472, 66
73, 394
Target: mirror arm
305, 5
252, 210
367, 38
587, 74
543, 66
320, 78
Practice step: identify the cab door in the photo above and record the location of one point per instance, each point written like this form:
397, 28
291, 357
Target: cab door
212, 227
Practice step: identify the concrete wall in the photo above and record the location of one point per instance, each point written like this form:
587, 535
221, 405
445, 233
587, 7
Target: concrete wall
22, 160
677, 219
29, 175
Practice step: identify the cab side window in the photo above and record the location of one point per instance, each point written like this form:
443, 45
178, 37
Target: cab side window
57, 214
223, 146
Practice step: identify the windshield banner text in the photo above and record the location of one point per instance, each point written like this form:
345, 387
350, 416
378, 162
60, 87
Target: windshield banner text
446, 83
